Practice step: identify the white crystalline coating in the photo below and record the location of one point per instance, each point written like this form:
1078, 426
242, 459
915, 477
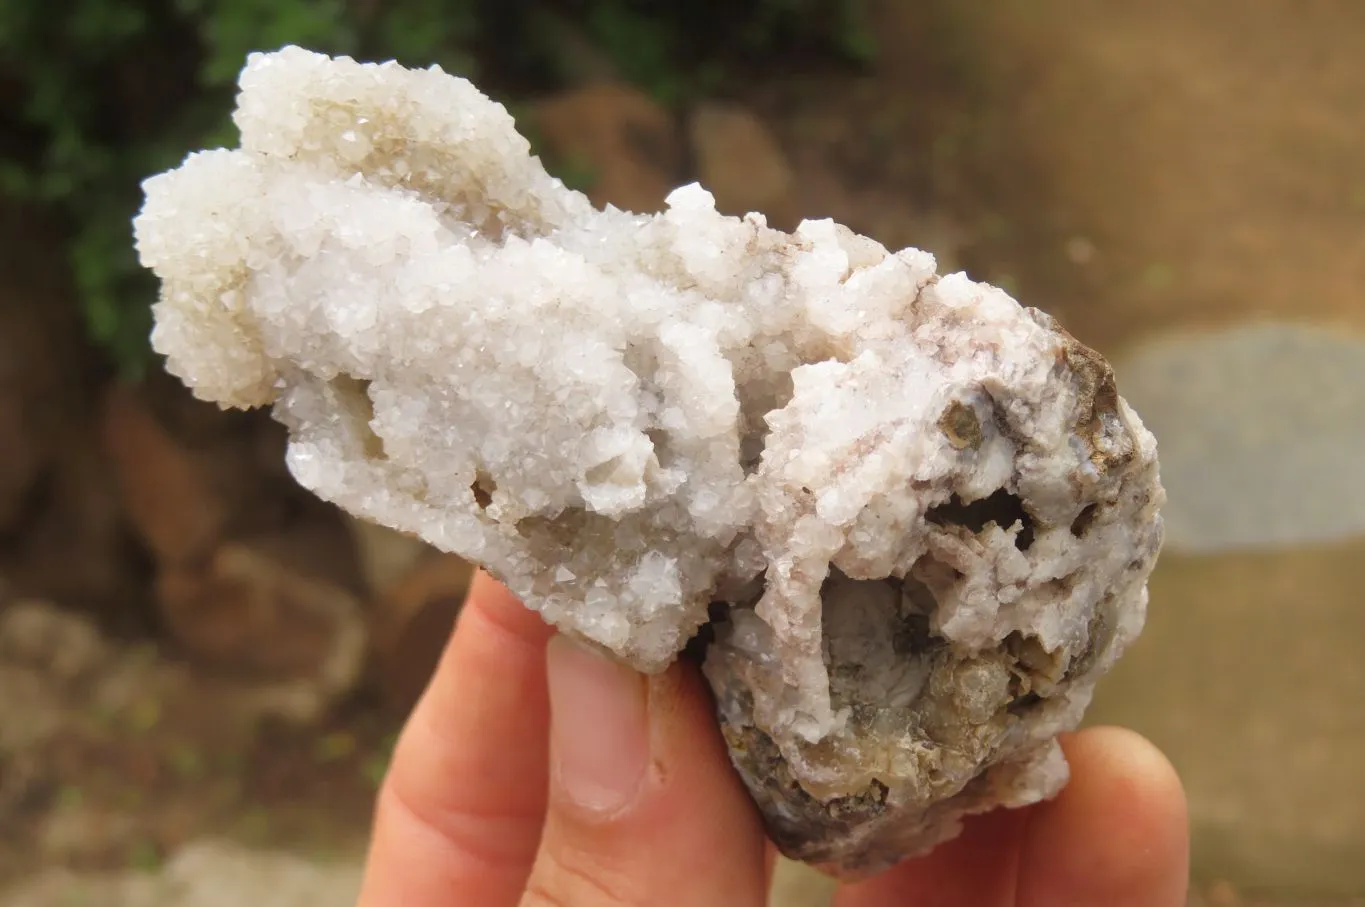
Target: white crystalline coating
928, 511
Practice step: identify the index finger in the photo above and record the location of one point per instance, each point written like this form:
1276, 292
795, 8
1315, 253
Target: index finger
461, 809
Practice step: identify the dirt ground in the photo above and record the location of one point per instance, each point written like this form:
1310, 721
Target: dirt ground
1135, 169
115, 753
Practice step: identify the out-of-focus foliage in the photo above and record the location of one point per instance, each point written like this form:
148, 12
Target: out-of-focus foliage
678, 48
97, 94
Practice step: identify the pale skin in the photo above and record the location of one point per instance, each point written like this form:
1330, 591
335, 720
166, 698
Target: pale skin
501, 793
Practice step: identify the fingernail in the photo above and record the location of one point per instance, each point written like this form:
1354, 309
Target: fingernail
599, 727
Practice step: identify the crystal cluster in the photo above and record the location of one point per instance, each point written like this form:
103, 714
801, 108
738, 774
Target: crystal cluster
912, 520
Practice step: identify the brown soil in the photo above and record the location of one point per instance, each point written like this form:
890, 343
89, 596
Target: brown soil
111, 792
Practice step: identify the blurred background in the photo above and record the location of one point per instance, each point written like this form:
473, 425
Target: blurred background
202, 668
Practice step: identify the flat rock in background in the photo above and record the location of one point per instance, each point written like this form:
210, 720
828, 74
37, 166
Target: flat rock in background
1261, 430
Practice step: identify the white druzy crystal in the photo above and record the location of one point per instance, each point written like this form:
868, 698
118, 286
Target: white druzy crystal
918, 516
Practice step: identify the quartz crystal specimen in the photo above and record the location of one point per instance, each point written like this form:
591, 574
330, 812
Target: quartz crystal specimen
912, 519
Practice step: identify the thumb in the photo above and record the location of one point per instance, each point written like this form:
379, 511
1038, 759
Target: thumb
644, 808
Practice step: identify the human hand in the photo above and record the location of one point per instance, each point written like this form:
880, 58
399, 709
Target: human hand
536, 773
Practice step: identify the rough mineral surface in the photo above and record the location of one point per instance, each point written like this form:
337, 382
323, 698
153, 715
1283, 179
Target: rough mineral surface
917, 517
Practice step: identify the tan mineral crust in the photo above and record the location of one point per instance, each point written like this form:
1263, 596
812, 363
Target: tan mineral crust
912, 519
